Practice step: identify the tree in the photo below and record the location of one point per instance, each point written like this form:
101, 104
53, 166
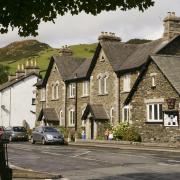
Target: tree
3, 73
26, 15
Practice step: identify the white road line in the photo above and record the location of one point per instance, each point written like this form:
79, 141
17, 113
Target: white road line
171, 160
87, 152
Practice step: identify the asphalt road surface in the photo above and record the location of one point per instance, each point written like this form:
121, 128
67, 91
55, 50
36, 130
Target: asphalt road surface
77, 163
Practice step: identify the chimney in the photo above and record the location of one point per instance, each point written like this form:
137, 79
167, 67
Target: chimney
20, 71
66, 51
171, 25
108, 36
31, 67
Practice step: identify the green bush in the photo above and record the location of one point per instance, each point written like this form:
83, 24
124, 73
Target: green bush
125, 132
131, 135
64, 131
119, 131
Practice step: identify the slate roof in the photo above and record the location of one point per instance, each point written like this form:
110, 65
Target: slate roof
48, 114
97, 111
67, 65
170, 67
10, 83
129, 56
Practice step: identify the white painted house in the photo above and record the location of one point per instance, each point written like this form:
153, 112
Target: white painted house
17, 97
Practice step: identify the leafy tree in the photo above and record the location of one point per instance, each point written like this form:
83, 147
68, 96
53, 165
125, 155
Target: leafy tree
3, 73
26, 15
138, 41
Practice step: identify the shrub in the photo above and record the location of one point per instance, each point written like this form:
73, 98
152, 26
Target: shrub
125, 132
131, 135
119, 131
64, 131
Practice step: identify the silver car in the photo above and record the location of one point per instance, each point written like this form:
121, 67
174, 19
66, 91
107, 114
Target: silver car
16, 133
46, 135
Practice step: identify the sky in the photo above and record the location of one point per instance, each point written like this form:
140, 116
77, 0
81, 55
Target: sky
83, 28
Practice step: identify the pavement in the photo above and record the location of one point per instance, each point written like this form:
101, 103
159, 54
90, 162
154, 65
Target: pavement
162, 147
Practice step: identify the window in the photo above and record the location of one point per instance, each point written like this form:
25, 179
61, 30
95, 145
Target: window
126, 114
154, 112
53, 90
72, 90
43, 94
85, 88
103, 85
126, 83
112, 115
56, 91
71, 117
153, 81
60, 117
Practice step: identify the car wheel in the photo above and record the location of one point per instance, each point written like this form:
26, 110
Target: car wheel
10, 138
43, 141
32, 141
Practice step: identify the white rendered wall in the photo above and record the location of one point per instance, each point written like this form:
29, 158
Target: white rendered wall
17, 100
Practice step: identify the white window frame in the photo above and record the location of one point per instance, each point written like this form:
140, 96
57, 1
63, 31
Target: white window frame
153, 81
128, 110
56, 91
112, 115
153, 112
126, 83
60, 117
85, 88
105, 85
71, 117
53, 91
72, 89
43, 94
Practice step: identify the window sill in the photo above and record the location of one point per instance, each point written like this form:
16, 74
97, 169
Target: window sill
73, 97
84, 96
154, 122
42, 100
54, 99
71, 126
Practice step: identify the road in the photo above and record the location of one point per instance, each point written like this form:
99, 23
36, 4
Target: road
77, 163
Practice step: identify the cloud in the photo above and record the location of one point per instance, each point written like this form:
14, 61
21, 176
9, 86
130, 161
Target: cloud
85, 28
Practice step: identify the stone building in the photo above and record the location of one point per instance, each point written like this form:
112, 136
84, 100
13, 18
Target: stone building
103, 89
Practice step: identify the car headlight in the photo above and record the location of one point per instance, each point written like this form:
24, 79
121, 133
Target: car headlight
49, 137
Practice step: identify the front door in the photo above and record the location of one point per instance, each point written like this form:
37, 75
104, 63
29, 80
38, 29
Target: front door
92, 129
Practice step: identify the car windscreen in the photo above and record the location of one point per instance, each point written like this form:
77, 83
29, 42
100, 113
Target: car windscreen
19, 129
49, 129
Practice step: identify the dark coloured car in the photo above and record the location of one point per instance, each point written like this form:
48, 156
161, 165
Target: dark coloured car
46, 135
1, 131
16, 133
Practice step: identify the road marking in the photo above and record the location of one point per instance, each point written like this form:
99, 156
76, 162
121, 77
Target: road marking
87, 152
166, 164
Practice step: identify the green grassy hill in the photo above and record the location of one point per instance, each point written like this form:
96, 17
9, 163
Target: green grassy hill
21, 51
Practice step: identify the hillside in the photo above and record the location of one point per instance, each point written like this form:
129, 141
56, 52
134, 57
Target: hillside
21, 51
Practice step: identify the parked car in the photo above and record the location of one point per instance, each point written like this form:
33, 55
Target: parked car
16, 133
1, 130
46, 135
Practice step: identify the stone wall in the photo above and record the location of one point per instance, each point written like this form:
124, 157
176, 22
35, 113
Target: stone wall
58, 104
163, 90
110, 99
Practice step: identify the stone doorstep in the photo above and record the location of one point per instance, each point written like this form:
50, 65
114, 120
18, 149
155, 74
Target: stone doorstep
139, 144
29, 174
